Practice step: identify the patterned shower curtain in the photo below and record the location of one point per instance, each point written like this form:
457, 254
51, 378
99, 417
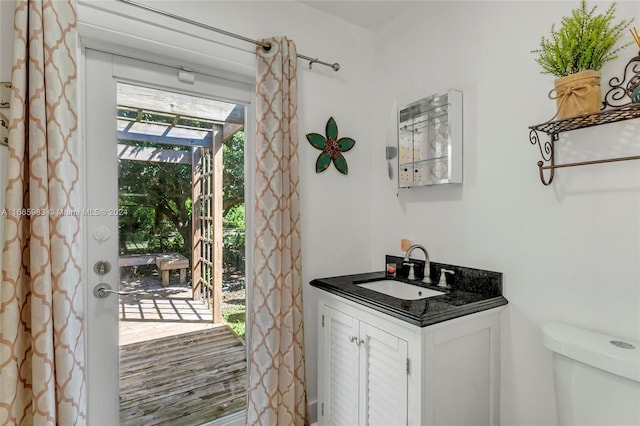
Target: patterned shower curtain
42, 372
276, 362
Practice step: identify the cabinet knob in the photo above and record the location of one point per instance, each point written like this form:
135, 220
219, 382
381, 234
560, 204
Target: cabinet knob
354, 339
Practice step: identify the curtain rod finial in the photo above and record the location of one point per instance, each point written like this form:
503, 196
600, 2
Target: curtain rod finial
335, 67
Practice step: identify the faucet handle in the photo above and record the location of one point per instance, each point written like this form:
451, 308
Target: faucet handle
443, 277
412, 275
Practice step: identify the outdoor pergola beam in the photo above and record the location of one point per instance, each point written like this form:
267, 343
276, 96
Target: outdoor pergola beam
158, 155
230, 129
146, 98
166, 140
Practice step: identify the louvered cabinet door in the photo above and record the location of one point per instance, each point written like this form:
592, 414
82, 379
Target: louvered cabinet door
385, 368
340, 369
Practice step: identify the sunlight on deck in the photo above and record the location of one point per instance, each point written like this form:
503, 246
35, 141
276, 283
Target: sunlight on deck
151, 311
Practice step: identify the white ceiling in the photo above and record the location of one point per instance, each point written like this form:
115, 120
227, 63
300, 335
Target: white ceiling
367, 14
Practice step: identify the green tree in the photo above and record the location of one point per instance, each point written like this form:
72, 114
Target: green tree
157, 199
233, 176
233, 239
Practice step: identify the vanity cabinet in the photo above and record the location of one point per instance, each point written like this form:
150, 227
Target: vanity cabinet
430, 141
375, 369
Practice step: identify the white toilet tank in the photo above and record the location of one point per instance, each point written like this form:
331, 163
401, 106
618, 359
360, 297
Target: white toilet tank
597, 377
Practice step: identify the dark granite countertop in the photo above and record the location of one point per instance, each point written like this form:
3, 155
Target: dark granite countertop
472, 290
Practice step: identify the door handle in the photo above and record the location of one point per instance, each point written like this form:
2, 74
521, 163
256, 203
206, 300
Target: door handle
103, 290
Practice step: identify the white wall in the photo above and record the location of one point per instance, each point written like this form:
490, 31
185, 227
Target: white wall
568, 252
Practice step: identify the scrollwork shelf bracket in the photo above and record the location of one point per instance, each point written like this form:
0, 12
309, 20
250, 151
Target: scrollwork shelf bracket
547, 153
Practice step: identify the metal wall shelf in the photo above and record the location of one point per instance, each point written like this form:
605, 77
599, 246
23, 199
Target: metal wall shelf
614, 110
554, 128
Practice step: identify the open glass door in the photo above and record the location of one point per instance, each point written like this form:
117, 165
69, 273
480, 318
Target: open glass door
178, 361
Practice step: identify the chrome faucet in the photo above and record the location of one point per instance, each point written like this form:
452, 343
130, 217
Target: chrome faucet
427, 265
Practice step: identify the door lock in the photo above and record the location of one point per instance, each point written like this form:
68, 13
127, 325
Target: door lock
102, 267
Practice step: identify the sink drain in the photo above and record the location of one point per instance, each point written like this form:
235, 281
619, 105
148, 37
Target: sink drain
623, 345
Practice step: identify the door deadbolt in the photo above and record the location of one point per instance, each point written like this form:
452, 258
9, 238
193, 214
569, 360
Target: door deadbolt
102, 267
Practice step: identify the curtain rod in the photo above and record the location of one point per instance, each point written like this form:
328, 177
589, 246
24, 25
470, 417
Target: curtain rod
335, 66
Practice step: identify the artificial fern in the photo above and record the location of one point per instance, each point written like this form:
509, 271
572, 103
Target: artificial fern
585, 41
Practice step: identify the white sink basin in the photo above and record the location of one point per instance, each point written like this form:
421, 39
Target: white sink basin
400, 290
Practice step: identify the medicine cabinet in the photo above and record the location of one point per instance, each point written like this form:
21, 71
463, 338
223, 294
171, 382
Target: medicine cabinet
430, 140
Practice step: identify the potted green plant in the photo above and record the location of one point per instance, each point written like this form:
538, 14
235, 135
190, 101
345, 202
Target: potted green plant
575, 53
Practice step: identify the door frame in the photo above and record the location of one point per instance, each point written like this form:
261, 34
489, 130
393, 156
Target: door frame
98, 123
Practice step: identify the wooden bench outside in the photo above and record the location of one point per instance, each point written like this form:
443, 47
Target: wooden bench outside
170, 261
165, 262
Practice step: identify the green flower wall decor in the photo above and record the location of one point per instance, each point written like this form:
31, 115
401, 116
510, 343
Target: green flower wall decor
331, 147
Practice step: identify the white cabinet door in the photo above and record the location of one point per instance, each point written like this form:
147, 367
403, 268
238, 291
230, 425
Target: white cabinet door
339, 369
363, 373
385, 369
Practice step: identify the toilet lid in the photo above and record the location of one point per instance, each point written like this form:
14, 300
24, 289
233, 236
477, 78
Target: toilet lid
609, 353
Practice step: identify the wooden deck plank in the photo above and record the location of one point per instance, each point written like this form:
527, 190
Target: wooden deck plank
185, 379
176, 366
165, 356
208, 386
212, 387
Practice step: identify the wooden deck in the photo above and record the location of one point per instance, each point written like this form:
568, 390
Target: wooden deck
176, 366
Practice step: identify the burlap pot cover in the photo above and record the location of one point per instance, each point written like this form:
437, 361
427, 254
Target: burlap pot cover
577, 94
